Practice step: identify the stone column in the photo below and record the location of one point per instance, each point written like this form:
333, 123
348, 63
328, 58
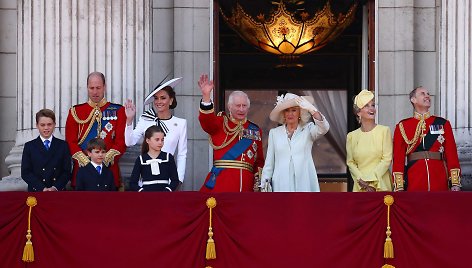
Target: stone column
59, 43
455, 75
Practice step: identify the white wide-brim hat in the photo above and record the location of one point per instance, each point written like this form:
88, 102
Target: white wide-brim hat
287, 101
171, 83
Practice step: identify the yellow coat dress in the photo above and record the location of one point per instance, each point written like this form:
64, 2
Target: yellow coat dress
369, 155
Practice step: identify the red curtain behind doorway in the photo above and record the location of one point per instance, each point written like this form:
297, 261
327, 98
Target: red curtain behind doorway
84, 229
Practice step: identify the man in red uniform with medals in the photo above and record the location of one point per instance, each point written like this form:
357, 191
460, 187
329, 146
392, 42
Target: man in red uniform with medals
236, 143
96, 118
427, 143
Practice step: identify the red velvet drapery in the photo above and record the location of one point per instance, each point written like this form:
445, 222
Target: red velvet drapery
85, 229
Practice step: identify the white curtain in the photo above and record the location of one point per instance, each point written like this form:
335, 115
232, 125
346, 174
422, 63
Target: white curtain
333, 105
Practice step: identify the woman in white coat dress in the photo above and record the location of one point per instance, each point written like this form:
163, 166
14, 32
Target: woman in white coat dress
289, 165
160, 114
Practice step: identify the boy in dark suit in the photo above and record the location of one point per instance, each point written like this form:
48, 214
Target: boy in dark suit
46, 161
95, 176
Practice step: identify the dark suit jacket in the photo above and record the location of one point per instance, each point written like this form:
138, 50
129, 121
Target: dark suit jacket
42, 168
88, 179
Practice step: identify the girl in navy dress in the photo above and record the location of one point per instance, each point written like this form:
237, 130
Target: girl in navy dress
154, 170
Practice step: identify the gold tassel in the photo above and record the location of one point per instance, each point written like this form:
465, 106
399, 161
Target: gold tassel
210, 249
388, 266
28, 253
388, 246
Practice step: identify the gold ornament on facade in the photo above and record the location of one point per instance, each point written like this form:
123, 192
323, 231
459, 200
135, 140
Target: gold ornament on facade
282, 34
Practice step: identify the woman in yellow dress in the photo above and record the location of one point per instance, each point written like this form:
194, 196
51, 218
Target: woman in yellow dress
369, 148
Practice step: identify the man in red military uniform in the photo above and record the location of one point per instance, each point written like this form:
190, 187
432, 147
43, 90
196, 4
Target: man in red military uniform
96, 118
236, 142
427, 143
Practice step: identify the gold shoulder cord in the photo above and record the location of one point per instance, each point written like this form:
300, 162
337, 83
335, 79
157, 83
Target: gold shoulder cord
233, 132
418, 132
95, 114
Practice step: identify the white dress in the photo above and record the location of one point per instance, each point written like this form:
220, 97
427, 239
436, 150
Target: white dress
175, 141
289, 162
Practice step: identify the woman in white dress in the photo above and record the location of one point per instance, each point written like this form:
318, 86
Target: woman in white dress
289, 165
160, 114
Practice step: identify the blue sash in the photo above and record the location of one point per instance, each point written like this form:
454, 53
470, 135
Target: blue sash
111, 110
233, 153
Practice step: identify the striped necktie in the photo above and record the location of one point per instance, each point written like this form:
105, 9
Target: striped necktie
46, 144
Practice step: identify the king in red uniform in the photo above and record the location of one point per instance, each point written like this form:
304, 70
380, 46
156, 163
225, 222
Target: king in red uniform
96, 118
427, 143
236, 142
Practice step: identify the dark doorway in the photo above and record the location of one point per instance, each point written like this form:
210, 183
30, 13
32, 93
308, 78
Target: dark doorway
334, 69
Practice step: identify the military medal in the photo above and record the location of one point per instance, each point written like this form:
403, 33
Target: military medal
108, 126
257, 136
250, 154
436, 129
103, 134
254, 146
441, 141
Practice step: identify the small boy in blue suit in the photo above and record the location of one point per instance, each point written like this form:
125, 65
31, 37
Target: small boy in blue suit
95, 176
46, 162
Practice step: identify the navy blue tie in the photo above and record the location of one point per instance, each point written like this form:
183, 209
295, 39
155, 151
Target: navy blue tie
99, 169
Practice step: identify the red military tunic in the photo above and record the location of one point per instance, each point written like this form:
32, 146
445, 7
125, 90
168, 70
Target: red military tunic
235, 176
420, 142
86, 121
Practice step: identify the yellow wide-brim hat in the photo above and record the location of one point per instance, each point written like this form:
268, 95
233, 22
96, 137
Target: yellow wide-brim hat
171, 83
287, 101
363, 98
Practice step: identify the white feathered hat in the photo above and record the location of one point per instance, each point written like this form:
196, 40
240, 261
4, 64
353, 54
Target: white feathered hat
287, 101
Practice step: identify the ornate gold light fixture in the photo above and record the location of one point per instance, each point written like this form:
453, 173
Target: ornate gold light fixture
288, 34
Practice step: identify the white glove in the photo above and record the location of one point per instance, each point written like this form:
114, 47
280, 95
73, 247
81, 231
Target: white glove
266, 185
304, 104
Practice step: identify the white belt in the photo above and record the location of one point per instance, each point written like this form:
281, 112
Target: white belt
156, 182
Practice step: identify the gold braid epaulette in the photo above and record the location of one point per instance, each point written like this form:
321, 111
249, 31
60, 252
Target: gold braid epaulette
230, 132
81, 158
95, 114
418, 132
110, 157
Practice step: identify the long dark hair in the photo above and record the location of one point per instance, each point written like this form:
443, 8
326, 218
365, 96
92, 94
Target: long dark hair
170, 91
148, 134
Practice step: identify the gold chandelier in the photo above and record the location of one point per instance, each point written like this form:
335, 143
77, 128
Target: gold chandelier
281, 33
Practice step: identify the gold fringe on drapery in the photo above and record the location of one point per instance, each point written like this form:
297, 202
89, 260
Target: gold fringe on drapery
210, 249
28, 253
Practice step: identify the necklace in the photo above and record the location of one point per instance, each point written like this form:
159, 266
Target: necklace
289, 131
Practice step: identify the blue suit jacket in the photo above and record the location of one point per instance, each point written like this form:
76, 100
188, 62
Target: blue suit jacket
42, 168
88, 179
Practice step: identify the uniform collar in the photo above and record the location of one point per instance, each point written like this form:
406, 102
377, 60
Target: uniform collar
422, 116
242, 122
100, 104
